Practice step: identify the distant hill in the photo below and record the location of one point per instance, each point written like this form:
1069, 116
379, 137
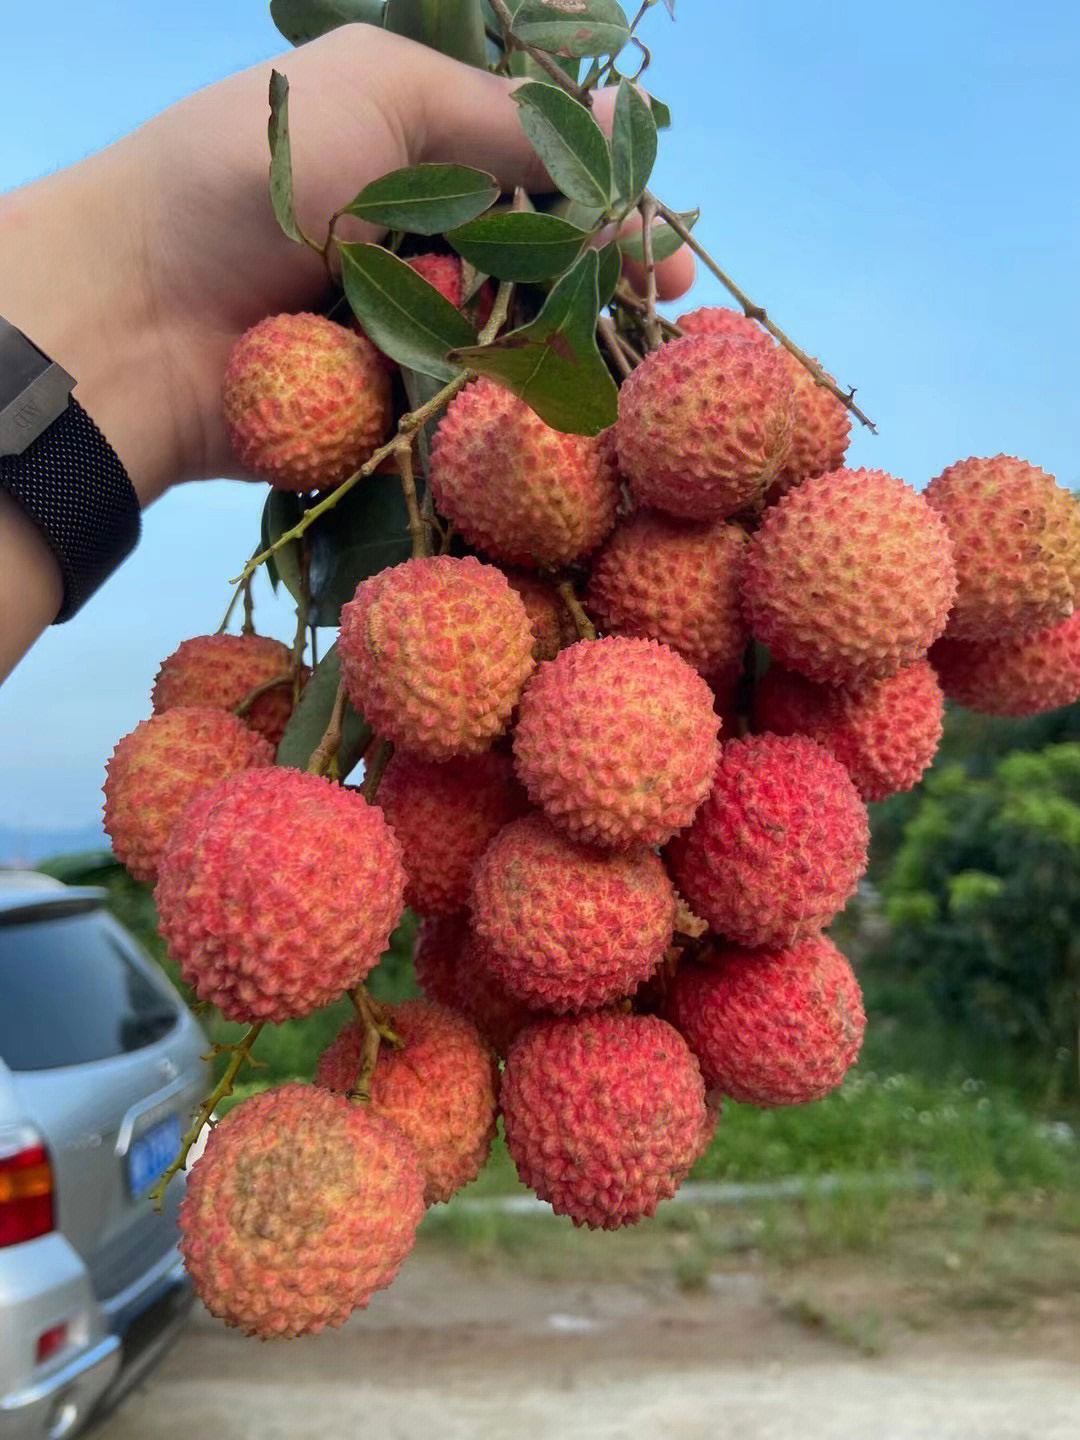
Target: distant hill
23, 846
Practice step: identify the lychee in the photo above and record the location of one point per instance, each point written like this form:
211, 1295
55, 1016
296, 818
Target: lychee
1026, 675
445, 273
160, 766
604, 1114
704, 425
617, 741
222, 670
449, 971
849, 577
301, 1206
779, 844
434, 653
438, 1087
1016, 542
277, 892
677, 581
884, 732
771, 1026
444, 814
552, 624
515, 488
566, 926
306, 401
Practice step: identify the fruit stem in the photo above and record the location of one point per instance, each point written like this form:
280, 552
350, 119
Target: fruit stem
374, 771
376, 1030
546, 63
325, 753
647, 207
756, 312
242, 707
238, 1054
606, 326
585, 628
243, 587
419, 532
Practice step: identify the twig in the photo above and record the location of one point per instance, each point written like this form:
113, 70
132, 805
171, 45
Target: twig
243, 707
606, 326
585, 628
374, 770
546, 63
756, 312
375, 1031
325, 753
625, 296
647, 207
419, 533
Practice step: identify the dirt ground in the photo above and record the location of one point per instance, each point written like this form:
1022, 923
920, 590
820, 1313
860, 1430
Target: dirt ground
481, 1346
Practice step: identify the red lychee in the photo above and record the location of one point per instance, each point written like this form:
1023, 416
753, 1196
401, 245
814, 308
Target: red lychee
552, 624
565, 926
515, 488
157, 769
771, 1026
617, 741
849, 577
779, 844
434, 653
222, 670
445, 273
306, 401
301, 1206
450, 972
604, 1114
277, 892
1027, 675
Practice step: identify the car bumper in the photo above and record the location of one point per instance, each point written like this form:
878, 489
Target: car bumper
59, 1404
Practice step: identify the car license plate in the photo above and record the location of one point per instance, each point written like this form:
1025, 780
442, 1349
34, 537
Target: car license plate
152, 1153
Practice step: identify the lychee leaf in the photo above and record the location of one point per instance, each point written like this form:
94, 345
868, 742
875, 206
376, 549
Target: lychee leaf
569, 141
280, 513
610, 269
403, 314
281, 182
633, 143
519, 245
664, 240
661, 113
311, 715
553, 363
425, 199
303, 20
453, 27
570, 28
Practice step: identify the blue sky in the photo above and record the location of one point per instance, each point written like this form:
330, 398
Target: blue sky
898, 184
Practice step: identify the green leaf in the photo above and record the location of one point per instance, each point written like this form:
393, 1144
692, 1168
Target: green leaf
453, 27
569, 141
553, 364
569, 28
665, 241
303, 20
633, 143
280, 513
610, 269
661, 114
517, 245
403, 314
281, 185
309, 720
425, 199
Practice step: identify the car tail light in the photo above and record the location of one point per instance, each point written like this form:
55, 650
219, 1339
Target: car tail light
50, 1341
26, 1194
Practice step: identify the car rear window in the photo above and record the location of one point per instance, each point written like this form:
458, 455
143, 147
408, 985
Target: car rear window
69, 995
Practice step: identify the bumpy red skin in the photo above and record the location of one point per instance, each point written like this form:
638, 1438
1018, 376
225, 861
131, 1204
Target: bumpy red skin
221, 670
157, 769
277, 893
617, 741
884, 732
704, 425
444, 815
301, 1207
771, 1026
444, 272
604, 1114
434, 654
849, 577
1024, 676
779, 845
565, 926
678, 581
1016, 541
552, 624
450, 971
306, 401
515, 488
439, 1088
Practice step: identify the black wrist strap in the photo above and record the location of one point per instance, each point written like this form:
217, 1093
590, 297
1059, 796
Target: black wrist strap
71, 484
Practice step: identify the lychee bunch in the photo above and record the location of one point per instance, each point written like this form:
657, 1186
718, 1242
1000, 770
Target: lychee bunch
434, 653
849, 577
565, 926
704, 425
776, 850
518, 490
603, 1113
438, 1086
300, 1208
450, 971
306, 401
617, 741
220, 671
160, 766
774, 1026
277, 892
1025, 675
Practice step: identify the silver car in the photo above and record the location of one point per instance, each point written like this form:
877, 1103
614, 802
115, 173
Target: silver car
100, 1069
